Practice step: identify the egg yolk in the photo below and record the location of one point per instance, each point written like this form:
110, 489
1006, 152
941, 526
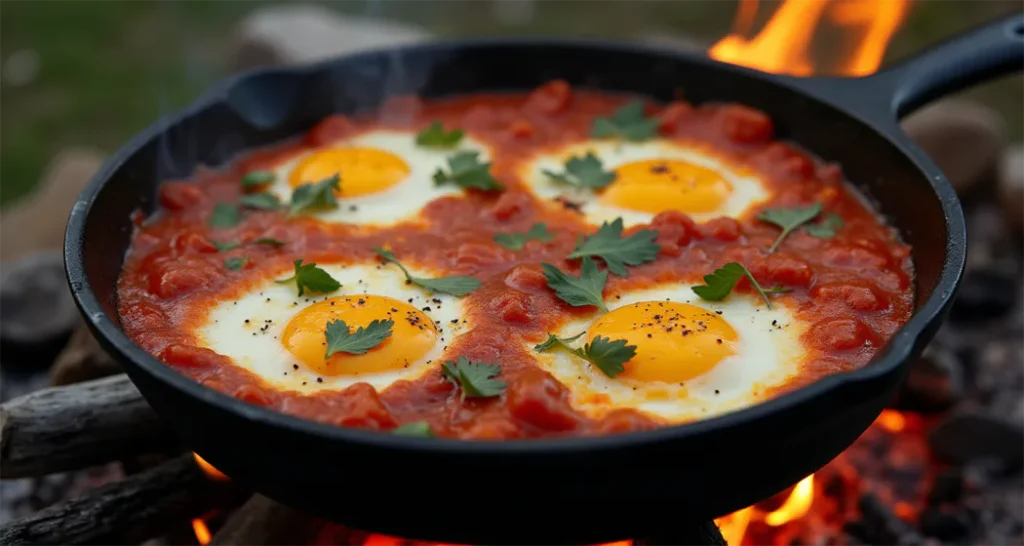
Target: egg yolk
362, 170
658, 185
412, 335
674, 342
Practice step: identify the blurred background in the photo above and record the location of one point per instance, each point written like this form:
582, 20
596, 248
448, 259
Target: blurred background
96, 72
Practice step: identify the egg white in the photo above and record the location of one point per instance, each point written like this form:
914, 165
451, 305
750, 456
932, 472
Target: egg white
769, 354
398, 203
747, 189
255, 345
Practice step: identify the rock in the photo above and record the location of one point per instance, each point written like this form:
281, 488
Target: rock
963, 137
1010, 184
38, 222
304, 33
934, 383
985, 295
969, 436
38, 310
82, 360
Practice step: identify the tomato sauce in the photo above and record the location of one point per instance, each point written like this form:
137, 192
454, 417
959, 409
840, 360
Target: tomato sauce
855, 288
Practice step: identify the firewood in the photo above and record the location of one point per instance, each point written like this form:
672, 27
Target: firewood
130, 511
261, 521
77, 426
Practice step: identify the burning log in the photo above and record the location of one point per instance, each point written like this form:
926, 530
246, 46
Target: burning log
127, 512
81, 425
262, 521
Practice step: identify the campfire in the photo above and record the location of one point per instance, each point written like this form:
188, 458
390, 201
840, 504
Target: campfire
926, 471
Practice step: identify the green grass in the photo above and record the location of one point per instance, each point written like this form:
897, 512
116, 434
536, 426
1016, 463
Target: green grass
109, 68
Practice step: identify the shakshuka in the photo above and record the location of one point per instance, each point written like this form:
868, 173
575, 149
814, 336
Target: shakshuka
492, 266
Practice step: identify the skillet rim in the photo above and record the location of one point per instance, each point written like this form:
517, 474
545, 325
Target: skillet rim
892, 356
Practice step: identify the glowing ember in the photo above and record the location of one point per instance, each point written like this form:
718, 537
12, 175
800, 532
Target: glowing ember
798, 503
891, 420
209, 469
783, 45
202, 531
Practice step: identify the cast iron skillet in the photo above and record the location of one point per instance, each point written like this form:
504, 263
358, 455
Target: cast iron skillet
556, 491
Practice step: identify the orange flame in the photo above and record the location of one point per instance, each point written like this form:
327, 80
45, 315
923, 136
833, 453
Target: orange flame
796, 506
209, 469
734, 526
202, 531
891, 420
783, 44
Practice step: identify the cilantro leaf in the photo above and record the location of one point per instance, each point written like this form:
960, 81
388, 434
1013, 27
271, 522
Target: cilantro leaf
466, 170
585, 290
584, 172
340, 340
435, 136
225, 245
628, 122
264, 201
617, 252
516, 241
318, 195
475, 378
719, 284
456, 285
225, 215
235, 264
312, 278
268, 241
603, 353
420, 429
253, 179
788, 220
827, 228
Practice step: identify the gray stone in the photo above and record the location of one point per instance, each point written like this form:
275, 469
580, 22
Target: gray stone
1011, 185
305, 33
37, 305
963, 137
970, 436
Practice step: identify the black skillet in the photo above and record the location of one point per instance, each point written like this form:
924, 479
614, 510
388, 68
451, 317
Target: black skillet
555, 491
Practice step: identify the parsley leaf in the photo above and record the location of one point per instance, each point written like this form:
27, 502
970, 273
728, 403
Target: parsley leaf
235, 264
788, 220
435, 136
475, 378
318, 195
226, 245
312, 278
617, 252
225, 215
253, 179
827, 228
419, 429
586, 290
466, 170
718, 284
340, 340
628, 122
516, 241
268, 241
583, 172
603, 353
265, 201
456, 285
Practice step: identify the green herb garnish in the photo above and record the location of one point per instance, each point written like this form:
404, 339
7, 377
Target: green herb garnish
226, 245
312, 278
340, 340
235, 264
254, 179
420, 429
268, 241
264, 201
456, 285
628, 123
516, 241
225, 215
827, 228
466, 170
578, 292
788, 220
318, 195
476, 379
719, 284
617, 252
583, 172
435, 136
605, 354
